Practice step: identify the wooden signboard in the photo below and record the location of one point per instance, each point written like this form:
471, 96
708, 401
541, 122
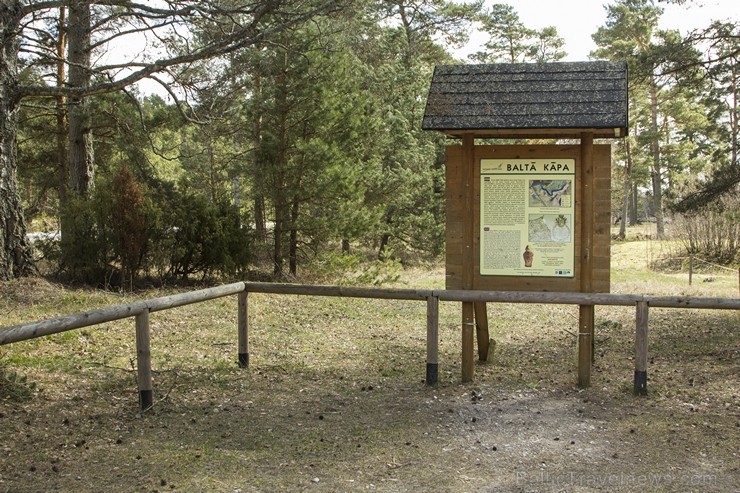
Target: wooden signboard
526, 215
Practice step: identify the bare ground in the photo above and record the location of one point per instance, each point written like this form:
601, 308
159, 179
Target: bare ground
334, 401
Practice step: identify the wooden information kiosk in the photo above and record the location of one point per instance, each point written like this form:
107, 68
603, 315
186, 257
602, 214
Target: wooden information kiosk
528, 217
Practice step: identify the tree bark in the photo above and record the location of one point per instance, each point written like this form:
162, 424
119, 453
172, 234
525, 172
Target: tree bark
656, 175
15, 249
80, 160
279, 186
278, 256
80, 143
62, 170
385, 237
626, 190
293, 248
260, 226
634, 219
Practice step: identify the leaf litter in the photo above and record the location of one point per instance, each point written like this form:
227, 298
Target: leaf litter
334, 401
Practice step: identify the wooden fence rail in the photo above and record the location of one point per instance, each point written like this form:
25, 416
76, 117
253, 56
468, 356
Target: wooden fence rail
109, 314
141, 310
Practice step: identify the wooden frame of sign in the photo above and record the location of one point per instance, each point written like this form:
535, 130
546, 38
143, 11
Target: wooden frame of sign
462, 217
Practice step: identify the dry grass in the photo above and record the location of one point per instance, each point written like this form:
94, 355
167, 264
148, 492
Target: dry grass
334, 400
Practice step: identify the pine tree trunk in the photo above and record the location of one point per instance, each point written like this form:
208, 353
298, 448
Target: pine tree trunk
277, 244
15, 250
260, 226
293, 249
386, 237
80, 160
80, 143
260, 229
61, 136
626, 190
634, 219
280, 188
656, 175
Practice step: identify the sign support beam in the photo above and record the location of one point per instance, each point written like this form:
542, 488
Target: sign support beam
467, 361
586, 312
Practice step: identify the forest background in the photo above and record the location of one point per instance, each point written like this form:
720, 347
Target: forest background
290, 132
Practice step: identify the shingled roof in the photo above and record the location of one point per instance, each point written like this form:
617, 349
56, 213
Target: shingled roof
558, 100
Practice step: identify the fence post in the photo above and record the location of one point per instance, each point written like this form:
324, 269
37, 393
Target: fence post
144, 360
243, 330
432, 340
691, 268
641, 348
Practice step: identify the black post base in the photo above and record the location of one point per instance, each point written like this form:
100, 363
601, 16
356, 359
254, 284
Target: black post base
641, 383
432, 373
243, 360
146, 399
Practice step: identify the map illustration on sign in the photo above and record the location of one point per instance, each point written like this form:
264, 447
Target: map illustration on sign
526, 221
549, 193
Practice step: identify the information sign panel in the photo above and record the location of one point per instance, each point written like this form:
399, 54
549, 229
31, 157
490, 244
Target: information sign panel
527, 210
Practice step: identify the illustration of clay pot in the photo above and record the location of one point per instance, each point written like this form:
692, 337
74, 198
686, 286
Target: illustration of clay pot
528, 257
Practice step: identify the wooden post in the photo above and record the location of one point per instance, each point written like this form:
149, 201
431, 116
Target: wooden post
468, 361
586, 312
243, 330
585, 344
592, 324
468, 348
432, 340
481, 329
641, 348
144, 360
691, 267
